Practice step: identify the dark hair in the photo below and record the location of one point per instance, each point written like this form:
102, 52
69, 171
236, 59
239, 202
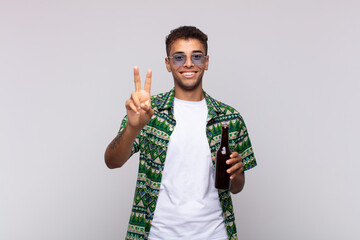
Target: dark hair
186, 32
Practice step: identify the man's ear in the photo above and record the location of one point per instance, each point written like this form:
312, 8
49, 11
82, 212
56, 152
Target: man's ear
167, 63
206, 63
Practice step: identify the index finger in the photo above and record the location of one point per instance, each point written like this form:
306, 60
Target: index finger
147, 87
137, 79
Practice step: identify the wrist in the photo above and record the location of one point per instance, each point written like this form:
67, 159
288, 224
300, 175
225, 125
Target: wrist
132, 130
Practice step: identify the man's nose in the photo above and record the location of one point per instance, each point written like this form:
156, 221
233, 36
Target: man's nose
188, 62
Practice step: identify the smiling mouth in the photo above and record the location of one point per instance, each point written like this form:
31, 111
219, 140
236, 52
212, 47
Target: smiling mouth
188, 74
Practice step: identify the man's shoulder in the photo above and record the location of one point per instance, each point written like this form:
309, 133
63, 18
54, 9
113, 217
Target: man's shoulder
162, 100
223, 107
227, 107
159, 96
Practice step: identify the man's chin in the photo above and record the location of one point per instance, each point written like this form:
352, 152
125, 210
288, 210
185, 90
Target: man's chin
189, 86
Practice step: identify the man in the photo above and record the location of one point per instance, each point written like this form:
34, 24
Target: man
178, 134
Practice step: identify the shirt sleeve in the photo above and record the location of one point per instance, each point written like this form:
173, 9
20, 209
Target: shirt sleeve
135, 148
243, 146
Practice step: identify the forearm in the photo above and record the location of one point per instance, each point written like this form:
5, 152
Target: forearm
237, 183
119, 150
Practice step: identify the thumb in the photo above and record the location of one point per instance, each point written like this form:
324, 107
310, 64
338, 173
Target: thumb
146, 105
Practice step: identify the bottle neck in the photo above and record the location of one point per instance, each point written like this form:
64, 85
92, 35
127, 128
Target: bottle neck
225, 136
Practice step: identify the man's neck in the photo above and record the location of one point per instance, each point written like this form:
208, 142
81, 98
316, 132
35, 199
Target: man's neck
189, 95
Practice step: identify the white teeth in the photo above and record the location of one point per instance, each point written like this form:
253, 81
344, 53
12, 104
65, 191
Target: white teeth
188, 73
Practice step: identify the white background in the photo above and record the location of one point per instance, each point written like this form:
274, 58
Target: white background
292, 68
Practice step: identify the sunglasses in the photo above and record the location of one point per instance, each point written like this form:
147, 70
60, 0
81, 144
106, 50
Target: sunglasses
180, 59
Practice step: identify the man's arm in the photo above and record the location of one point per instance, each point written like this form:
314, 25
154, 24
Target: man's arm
237, 183
119, 150
139, 113
237, 175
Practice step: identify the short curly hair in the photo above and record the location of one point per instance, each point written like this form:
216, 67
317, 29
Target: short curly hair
186, 32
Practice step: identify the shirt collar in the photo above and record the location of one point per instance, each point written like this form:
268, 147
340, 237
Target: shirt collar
167, 102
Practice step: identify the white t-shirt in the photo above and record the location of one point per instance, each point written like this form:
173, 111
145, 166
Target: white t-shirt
188, 205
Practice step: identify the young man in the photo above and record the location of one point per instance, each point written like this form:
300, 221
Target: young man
178, 134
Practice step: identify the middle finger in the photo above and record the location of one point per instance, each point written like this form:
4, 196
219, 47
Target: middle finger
234, 168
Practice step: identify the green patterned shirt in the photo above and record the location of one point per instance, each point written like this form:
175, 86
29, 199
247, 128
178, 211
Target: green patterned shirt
152, 142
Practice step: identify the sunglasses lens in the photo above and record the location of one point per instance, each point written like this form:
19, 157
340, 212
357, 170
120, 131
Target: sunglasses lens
198, 58
179, 59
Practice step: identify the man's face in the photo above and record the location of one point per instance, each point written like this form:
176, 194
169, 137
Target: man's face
187, 76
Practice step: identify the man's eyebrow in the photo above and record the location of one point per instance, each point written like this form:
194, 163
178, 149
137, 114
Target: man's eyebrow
178, 52
195, 51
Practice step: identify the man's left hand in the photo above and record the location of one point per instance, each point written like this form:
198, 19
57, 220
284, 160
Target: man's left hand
236, 165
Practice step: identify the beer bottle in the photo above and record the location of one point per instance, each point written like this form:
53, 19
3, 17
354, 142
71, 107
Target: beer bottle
222, 177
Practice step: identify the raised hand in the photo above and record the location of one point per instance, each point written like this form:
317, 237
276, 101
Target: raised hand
138, 106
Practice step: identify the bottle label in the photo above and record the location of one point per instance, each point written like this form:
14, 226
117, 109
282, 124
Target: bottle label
223, 150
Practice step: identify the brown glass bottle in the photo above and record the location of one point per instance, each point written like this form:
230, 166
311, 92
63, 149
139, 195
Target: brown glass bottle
222, 178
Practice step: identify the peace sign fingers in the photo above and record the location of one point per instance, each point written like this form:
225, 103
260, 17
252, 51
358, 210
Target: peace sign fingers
138, 106
137, 80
